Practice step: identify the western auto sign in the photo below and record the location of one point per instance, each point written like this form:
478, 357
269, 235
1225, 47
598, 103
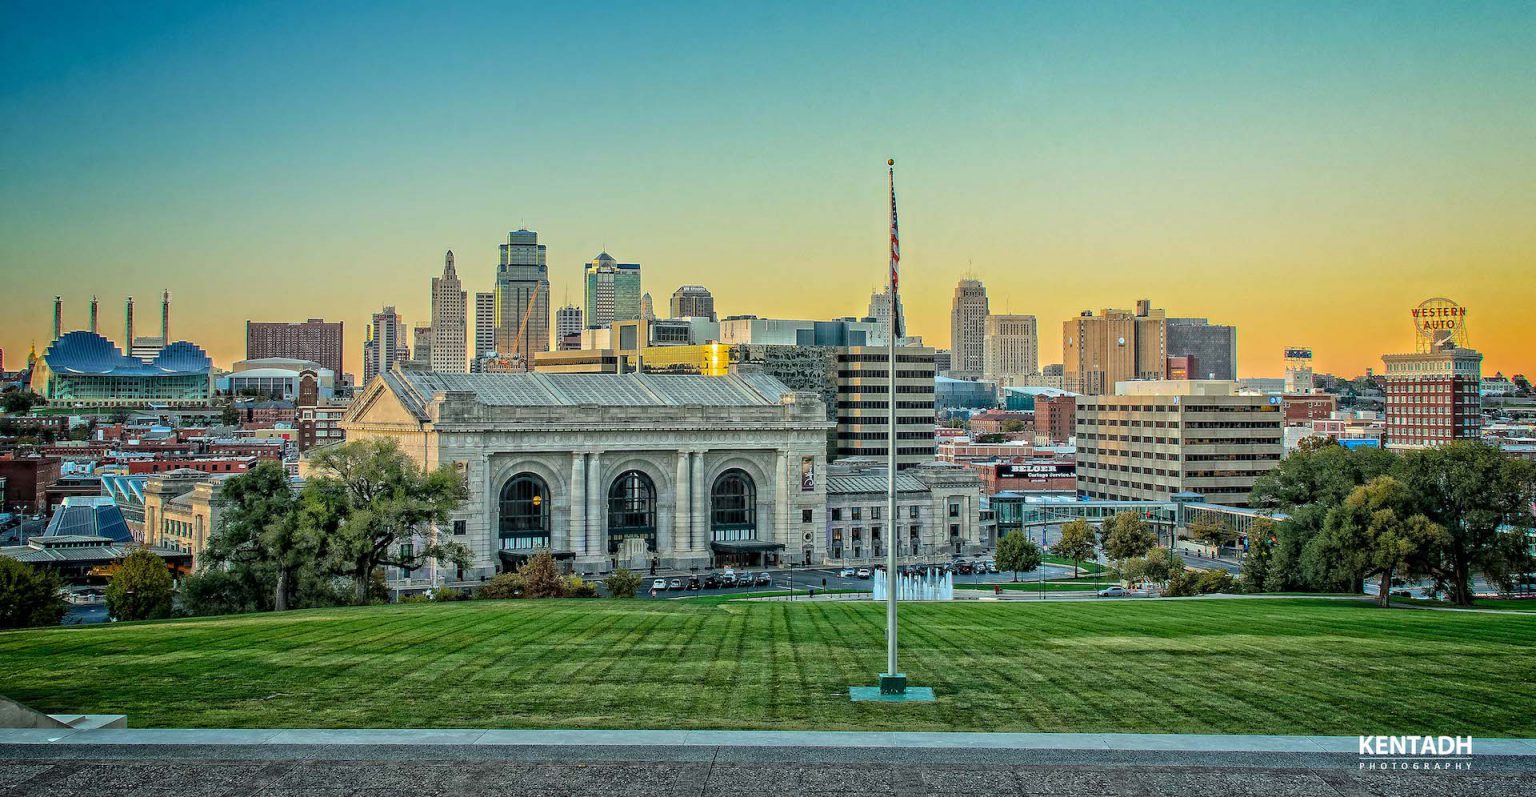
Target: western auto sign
1439, 318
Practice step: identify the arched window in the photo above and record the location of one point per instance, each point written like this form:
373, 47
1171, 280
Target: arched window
524, 516
733, 506
631, 510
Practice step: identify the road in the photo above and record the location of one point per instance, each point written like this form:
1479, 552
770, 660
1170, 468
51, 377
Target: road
825, 578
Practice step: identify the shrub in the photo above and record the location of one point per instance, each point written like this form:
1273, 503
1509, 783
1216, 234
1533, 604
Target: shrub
575, 586
541, 577
448, 594
416, 597
1212, 581
622, 583
503, 587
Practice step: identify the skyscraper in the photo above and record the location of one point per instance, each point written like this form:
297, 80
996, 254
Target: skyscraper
967, 330
522, 291
612, 291
485, 323
647, 307
692, 301
880, 310
316, 340
386, 344
1114, 346
448, 323
567, 323
1011, 349
1214, 346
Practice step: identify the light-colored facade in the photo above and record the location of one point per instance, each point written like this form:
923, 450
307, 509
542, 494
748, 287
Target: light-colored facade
1160, 438
967, 330
1010, 349
449, 322
1100, 351
863, 403
277, 378
522, 289
568, 323
880, 310
386, 344
608, 470
692, 301
485, 323
181, 511
938, 513
1433, 398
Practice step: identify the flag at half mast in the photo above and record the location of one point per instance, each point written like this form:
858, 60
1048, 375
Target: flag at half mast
896, 325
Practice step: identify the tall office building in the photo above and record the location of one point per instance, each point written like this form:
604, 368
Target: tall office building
568, 324
1010, 350
449, 336
612, 291
421, 346
1433, 397
863, 403
1115, 346
1214, 346
647, 308
1185, 436
967, 330
692, 301
522, 289
315, 340
880, 310
386, 344
485, 323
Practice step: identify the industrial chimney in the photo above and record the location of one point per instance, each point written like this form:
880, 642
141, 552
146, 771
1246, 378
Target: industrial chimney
128, 326
93, 314
165, 318
58, 317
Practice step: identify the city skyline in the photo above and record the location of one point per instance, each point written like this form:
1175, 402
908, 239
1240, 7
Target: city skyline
1307, 178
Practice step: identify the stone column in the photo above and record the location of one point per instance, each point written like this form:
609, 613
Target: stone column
682, 513
576, 529
701, 524
781, 523
597, 548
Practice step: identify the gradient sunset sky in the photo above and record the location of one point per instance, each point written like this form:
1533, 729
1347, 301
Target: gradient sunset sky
1308, 171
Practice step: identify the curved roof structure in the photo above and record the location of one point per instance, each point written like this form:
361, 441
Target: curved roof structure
89, 516
84, 352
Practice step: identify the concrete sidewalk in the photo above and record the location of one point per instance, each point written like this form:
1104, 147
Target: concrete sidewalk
311, 763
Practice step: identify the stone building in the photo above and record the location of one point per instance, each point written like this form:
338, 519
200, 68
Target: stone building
938, 512
606, 470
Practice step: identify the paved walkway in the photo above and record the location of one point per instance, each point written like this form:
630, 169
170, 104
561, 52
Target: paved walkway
316, 763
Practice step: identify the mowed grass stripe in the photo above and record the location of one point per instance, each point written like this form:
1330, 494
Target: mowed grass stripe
1261, 666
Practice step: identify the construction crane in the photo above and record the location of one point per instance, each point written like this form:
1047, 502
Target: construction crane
517, 356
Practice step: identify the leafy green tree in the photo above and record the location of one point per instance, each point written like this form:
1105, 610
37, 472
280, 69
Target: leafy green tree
1257, 563
20, 400
141, 588
622, 583
1017, 553
1211, 531
1127, 536
1158, 565
259, 527
29, 596
217, 590
541, 577
1078, 542
1376, 532
370, 500
1482, 499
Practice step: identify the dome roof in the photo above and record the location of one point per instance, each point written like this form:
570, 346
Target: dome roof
182, 357
84, 352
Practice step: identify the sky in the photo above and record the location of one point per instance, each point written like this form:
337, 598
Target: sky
1307, 171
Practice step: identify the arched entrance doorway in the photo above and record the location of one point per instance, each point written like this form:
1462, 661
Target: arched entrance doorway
522, 520
632, 520
733, 523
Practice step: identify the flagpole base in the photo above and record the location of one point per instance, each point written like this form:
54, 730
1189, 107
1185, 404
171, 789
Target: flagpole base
893, 688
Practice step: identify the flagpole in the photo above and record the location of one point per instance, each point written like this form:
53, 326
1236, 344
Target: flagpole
891, 581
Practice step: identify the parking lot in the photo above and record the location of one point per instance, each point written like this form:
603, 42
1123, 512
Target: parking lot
822, 578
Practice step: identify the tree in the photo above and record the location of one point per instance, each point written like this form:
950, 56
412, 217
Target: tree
1127, 536
259, 526
1376, 532
29, 596
141, 588
20, 400
1211, 531
229, 415
1257, 563
370, 501
1017, 553
1482, 499
541, 577
622, 583
1078, 542
1158, 566
216, 590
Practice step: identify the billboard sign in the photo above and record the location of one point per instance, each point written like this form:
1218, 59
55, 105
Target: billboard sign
1037, 470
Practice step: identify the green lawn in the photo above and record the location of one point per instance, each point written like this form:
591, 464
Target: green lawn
1227, 666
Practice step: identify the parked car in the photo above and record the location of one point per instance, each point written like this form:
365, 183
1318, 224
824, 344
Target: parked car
693, 583
711, 581
992, 567
675, 583
727, 576
660, 585
764, 580
863, 572
846, 572
964, 568
1113, 592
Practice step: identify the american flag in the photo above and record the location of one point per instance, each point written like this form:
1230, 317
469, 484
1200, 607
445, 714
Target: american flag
896, 326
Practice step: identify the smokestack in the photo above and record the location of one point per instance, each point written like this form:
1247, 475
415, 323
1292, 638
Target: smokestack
93, 313
165, 318
58, 317
128, 326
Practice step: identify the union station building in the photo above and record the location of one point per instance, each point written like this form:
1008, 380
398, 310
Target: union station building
610, 470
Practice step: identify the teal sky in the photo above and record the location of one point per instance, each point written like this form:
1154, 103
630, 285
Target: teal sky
1305, 170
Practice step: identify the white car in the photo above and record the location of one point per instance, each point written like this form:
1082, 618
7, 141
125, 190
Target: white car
729, 576
1113, 592
846, 572
660, 585
863, 572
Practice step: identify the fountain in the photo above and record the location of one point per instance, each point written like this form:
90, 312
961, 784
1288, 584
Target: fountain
930, 585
